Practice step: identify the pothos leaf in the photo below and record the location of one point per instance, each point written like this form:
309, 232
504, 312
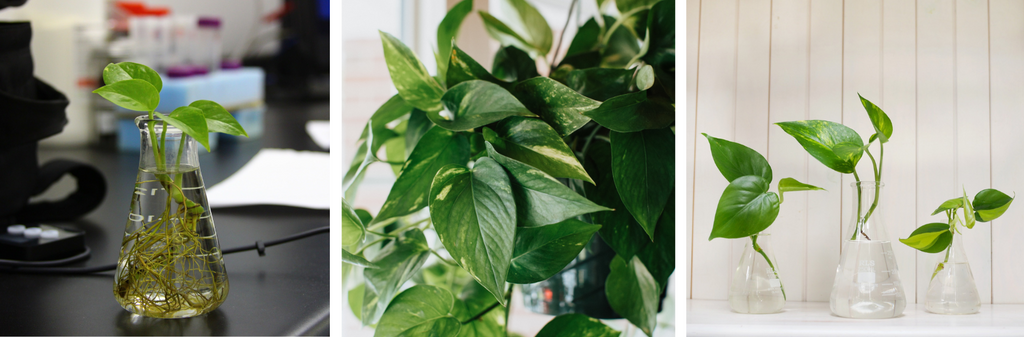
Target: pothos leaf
949, 205
437, 148
600, 83
356, 260
219, 119
535, 143
397, 262
930, 238
448, 30
881, 121
576, 325
644, 174
512, 64
792, 185
735, 160
352, 229
420, 311
411, 79
558, 105
462, 67
633, 293
990, 204
476, 103
746, 208
833, 144
618, 228
133, 94
190, 121
969, 220
540, 252
634, 112
116, 72
500, 31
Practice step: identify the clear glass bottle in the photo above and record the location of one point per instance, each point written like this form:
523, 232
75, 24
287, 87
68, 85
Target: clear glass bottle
952, 290
756, 286
867, 282
170, 264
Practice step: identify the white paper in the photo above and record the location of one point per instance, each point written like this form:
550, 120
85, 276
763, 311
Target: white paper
320, 131
277, 177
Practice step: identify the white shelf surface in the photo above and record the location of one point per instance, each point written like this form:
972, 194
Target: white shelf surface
713, 318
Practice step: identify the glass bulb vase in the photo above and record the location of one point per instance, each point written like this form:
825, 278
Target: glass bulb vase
170, 264
867, 282
756, 286
952, 290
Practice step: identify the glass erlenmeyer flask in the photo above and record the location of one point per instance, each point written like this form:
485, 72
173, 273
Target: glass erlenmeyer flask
952, 289
867, 283
170, 265
756, 286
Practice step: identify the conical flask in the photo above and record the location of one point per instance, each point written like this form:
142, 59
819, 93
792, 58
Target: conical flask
952, 289
756, 286
170, 265
867, 282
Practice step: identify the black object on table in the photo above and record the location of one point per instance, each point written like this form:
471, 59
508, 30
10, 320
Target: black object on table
286, 292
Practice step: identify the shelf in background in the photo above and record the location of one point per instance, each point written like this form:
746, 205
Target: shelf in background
713, 318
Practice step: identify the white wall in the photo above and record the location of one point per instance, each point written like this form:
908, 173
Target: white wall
950, 75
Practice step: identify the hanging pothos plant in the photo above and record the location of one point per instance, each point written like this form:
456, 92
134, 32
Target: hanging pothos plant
518, 168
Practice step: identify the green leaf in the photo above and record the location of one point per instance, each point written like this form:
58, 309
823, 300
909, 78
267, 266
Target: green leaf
643, 168
990, 204
792, 185
746, 208
116, 72
619, 229
398, 262
621, 48
352, 230
576, 325
473, 300
219, 119
506, 36
587, 38
634, 112
735, 160
448, 30
418, 126
558, 105
513, 64
633, 293
969, 220
930, 238
662, 43
393, 109
535, 143
600, 83
476, 103
355, 300
950, 204
628, 5
420, 311
134, 94
540, 199
190, 121
474, 214
364, 215
538, 33
645, 77
833, 144
660, 256
543, 251
437, 148
411, 79
462, 68
395, 150
356, 172
881, 121
356, 260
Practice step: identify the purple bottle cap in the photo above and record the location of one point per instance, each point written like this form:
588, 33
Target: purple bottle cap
179, 71
211, 22
230, 64
199, 70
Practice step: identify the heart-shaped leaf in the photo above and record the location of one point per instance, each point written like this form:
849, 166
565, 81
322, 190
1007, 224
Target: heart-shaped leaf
950, 204
600, 83
476, 103
473, 300
448, 30
356, 172
543, 251
645, 77
633, 293
990, 204
576, 325
618, 228
411, 79
540, 199
474, 214
558, 105
352, 229
397, 263
535, 143
117, 72
643, 167
629, 5
746, 208
587, 39
735, 160
537, 34
394, 149
498, 30
219, 119
833, 144
881, 121
930, 238
420, 311
662, 43
133, 94
463, 68
393, 109
356, 260
792, 185
969, 220
355, 300
437, 148
513, 64
190, 121
634, 112
660, 256
418, 126
621, 47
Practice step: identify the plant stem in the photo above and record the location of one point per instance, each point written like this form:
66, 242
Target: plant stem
561, 37
439, 257
753, 240
615, 26
508, 308
508, 296
857, 226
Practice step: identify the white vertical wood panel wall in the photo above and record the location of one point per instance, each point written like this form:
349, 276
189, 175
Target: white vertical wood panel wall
950, 75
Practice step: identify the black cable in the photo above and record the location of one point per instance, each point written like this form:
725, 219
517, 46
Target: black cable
23, 267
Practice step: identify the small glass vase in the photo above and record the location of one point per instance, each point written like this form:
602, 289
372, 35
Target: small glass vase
951, 290
867, 282
170, 264
756, 286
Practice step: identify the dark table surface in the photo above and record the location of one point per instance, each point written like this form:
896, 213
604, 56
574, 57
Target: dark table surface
285, 292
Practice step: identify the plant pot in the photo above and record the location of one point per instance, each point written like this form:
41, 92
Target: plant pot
952, 290
756, 286
170, 265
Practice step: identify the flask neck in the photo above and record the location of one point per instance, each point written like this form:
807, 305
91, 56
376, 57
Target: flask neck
865, 212
165, 148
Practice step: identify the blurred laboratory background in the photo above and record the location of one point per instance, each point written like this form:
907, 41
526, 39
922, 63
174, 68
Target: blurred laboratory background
367, 84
